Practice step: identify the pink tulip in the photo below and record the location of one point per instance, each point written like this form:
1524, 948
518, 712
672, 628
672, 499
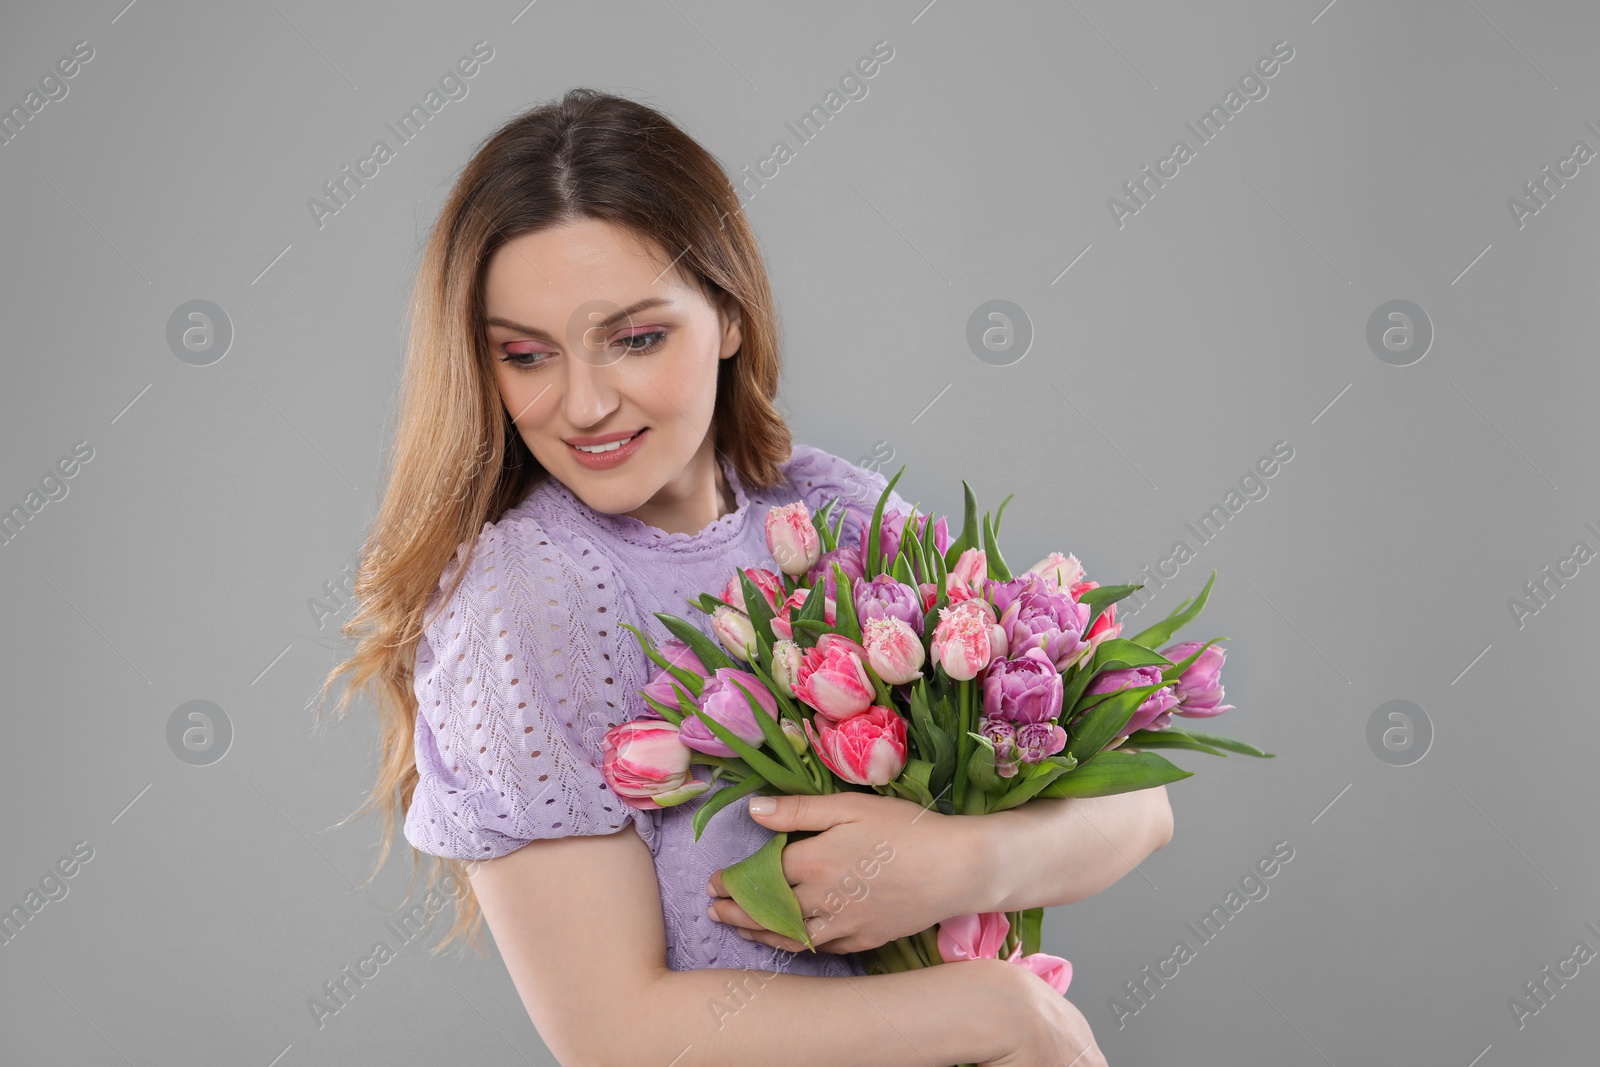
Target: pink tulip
662, 685
781, 622
1105, 627
726, 704
965, 580
979, 936
833, 678
982, 936
1199, 687
647, 765
865, 749
792, 538
770, 584
1053, 969
735, 630
967, 638
894, 651
1062, 572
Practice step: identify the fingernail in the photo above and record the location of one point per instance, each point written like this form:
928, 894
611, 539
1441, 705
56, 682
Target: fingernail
711, 913
763, 805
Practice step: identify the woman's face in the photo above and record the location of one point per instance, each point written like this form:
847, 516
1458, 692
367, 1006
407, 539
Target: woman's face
592, 335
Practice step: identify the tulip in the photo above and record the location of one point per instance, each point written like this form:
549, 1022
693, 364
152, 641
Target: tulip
1199, 687
967, 638
770, 584
1062, 572
1037, 741
1106, 626
1154, 705
786, 659
722, 700
821, 573
965, 580
1003, 736
833, 678
894, 651
662, 685
782, 622
893, 530
796, 736
1035, 614
735, 630
1053, 969
886, 597
979, 936
1023, 689
865, 749
647, 765
792, 538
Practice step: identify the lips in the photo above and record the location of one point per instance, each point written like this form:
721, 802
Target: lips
592, 448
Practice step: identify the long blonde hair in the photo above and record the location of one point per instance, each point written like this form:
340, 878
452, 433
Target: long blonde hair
457, 461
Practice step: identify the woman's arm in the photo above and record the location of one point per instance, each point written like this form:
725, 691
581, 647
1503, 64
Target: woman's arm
1059, 850
578, 922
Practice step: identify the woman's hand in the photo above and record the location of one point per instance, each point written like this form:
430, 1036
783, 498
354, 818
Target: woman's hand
880, 868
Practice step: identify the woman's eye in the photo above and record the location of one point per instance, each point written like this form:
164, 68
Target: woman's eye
524, 360
655, 337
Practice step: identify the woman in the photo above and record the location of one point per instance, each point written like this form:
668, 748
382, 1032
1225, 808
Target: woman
587, 435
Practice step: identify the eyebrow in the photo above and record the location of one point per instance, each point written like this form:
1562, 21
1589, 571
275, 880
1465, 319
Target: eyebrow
611, 320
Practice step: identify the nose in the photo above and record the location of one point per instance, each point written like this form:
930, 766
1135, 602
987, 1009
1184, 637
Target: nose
589, 395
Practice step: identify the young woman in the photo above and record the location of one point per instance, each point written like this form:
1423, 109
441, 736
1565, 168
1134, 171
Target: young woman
587, 435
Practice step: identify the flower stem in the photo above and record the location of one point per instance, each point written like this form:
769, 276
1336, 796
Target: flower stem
964, 700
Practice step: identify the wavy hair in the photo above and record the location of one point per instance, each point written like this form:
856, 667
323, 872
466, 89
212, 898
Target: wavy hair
457, 460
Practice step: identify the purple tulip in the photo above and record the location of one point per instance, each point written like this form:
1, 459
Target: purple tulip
885, 597
723, 701
1003, 735
1022, 689
849, 559
662, 685
1033, 615
1199, 687
1038, 740
1157, 703
892, 530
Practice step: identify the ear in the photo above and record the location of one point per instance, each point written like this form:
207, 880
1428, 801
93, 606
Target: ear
732, 325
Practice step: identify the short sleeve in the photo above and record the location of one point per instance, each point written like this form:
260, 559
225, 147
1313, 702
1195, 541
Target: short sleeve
517, 681
819, 475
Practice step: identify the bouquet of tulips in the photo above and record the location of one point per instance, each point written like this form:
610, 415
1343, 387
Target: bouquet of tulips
916, 666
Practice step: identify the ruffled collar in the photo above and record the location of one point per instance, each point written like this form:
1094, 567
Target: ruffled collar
715, 534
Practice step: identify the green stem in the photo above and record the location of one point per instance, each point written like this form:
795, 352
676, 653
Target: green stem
930, 944
964, 700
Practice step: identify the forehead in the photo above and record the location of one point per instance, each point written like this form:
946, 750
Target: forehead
546, 273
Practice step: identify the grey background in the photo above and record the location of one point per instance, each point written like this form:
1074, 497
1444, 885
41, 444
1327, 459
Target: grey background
1230, 313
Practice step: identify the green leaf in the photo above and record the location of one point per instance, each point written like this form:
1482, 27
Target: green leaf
1116, 653
996, 564
721, 799
1230, 744
1101, 597
672, 715
757, 884
1115, 772
711, 654
1036, 778
1103, 722
845, 611
756, 606
969, 530
873, 565
1162, 632
776, 739
1001, 510
1169, 738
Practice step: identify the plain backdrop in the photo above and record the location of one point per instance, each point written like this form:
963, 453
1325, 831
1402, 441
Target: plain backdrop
1143, 360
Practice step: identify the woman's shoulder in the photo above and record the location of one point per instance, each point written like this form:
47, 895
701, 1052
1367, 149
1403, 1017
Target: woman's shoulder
817, 475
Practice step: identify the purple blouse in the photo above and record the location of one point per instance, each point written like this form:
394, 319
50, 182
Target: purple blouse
526, 668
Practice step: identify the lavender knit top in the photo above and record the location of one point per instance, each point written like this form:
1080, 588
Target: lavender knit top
524, 670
